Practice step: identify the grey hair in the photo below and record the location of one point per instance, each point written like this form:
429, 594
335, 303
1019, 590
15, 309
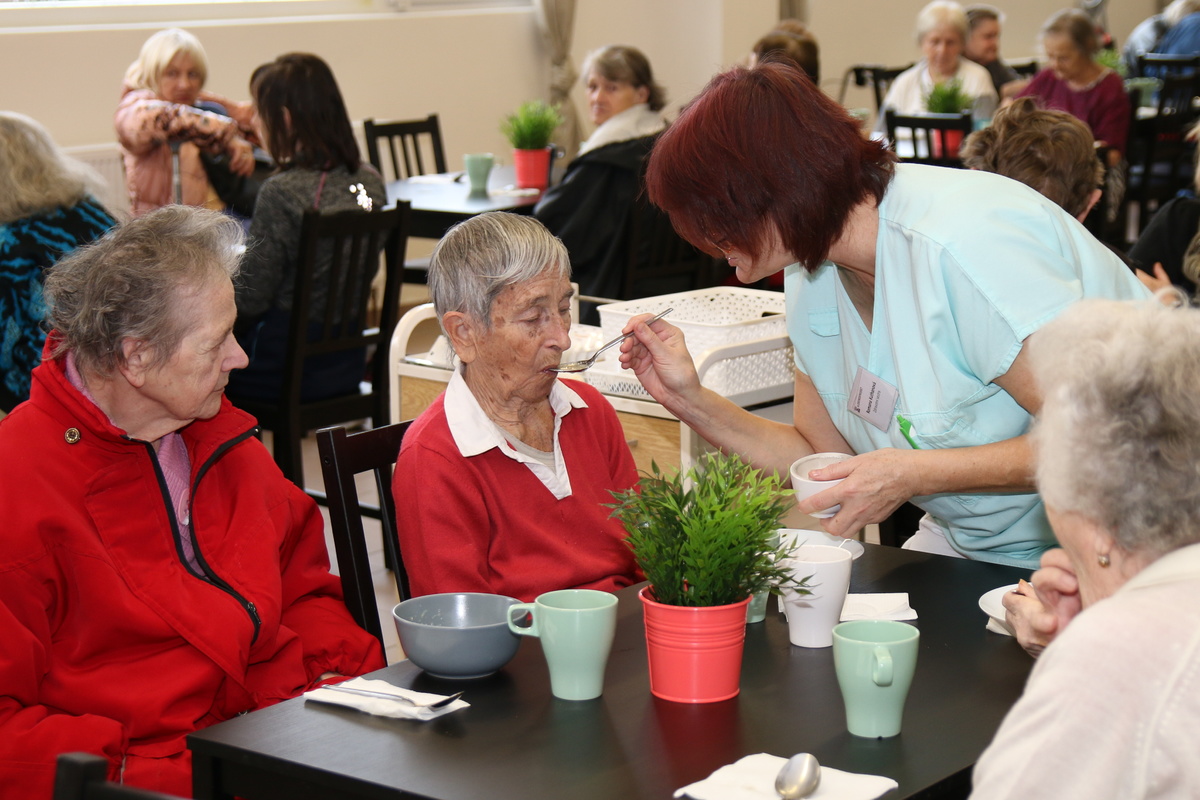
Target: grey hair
479, 257
156, 55
35, 175
618, 62
1077, 26
939, 13
132, 282
1177, 10
1118, 435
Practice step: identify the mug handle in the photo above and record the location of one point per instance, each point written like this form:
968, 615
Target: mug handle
527, 611
882, 670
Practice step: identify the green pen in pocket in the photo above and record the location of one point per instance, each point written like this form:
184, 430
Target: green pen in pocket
906, 431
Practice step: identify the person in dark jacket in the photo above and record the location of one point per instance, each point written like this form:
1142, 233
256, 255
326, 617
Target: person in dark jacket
589, 208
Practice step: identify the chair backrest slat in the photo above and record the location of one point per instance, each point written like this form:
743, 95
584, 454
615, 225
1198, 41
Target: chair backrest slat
407, 143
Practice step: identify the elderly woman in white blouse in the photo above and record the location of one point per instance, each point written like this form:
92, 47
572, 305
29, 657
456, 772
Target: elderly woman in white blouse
942, 36
1112, 708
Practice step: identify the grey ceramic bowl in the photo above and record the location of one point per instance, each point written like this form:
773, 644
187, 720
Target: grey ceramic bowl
458, 634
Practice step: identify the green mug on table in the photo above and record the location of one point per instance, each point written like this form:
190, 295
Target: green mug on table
576, 627
875, 660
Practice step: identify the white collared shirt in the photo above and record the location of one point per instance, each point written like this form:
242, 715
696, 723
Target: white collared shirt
475, 433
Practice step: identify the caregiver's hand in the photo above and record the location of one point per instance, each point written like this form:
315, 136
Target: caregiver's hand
875, 484
657, 355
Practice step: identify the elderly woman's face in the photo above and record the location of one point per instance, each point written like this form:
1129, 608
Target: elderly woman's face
1068, 61
607, 98
528, 335
188, 386
180, 81
983, 43
942, 47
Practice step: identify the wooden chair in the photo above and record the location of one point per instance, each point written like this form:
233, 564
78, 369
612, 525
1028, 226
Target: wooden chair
408, 143
934, 138
1025, 69
343, 456
1160, 157
878, 77
659, 261
1159, 65
356, 240
83, 776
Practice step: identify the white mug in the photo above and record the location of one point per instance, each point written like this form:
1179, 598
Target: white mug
812, 617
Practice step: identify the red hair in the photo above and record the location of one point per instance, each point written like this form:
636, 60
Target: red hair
764, 148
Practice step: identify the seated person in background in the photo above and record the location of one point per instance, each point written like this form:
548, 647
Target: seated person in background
1183, 37
589, 208
1111, 708
505, 477
1078, 84
1050, 151
941, 35
160, 574
983, 47
799, 48
158, 106
1167, 253
307, 131
47, 208
1150, 31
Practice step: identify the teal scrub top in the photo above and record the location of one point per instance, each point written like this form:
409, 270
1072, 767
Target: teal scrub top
968, 264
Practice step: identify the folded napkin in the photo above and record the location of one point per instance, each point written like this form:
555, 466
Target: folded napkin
883, 605
407, 705
513, 191
436, 177
996, 626
753, 778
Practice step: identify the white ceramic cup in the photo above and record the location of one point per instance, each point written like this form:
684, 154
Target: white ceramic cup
806, 488
812, 617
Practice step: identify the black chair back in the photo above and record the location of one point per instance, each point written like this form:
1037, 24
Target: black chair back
414, 147
660, 261
878, 77
934, 138
83, 776
355, 239
1025, 69
1160, 65
1160, 157
344, 456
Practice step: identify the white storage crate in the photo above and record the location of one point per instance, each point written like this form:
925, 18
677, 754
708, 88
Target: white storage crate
710, 318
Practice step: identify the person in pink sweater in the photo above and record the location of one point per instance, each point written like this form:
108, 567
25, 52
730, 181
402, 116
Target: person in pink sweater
502, 483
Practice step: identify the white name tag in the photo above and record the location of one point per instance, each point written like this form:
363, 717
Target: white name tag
873, 399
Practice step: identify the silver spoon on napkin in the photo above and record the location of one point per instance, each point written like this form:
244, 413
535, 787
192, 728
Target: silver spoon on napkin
580, 366
799, 777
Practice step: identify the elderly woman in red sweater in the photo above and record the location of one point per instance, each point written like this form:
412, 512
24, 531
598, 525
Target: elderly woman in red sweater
505, 476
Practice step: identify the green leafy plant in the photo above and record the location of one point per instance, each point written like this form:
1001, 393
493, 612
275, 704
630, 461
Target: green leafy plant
1110, 57
948, 97
531, 125
706, 537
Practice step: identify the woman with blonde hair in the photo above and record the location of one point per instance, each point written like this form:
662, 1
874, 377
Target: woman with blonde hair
159, 106
47, 209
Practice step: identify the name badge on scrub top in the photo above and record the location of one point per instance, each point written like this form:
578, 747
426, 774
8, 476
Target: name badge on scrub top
873, 399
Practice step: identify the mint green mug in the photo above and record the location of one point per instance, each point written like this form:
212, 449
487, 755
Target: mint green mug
875, 660
576, 627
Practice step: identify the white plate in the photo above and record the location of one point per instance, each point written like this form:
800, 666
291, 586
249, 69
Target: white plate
992, 603
794, 537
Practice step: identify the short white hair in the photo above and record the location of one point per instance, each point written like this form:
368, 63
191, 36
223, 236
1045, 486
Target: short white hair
1118, 435
941, 13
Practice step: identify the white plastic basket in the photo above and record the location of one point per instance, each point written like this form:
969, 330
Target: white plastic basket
710, 318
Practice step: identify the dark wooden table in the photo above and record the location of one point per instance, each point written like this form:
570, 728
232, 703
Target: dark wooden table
437, 206
518, 741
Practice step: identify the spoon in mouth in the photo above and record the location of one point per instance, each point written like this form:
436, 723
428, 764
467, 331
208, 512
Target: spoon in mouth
580, 366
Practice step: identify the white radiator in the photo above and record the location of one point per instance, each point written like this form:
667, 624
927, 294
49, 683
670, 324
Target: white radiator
106, 159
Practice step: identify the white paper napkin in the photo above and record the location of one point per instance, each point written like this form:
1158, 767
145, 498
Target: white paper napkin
436, 178
996, 626
881, 605
398, 708
753, 778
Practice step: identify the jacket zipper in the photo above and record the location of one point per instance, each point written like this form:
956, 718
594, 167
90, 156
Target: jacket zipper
208, 574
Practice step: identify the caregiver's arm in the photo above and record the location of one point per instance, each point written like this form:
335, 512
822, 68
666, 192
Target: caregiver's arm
878, 482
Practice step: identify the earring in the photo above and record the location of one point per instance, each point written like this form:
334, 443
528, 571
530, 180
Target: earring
1104, 559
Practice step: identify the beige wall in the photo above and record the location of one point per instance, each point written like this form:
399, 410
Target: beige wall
471, 67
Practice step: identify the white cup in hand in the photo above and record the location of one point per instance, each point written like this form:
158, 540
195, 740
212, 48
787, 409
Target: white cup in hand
806, 488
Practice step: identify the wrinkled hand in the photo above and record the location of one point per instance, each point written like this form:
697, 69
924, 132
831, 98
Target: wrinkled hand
1158, 280
241, 156
1038, 611
875, 485
658, 356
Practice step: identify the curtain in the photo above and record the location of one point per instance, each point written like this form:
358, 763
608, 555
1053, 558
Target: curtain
556, 18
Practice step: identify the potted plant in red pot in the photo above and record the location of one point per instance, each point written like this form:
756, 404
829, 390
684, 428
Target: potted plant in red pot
529, 129
705, 541
947, 97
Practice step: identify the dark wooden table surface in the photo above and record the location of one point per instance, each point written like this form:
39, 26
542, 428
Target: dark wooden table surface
518, 741
438, 205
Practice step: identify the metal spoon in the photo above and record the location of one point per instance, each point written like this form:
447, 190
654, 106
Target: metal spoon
580, 366
799, 777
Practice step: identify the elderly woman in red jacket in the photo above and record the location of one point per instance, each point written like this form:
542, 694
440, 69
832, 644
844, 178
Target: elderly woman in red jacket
159, 573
